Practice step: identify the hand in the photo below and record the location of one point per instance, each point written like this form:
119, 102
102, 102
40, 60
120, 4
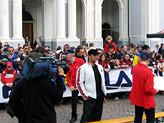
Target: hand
60, 70
105, 100
9, 56
9, 84
157, 90
127, 66
106, 70
72, 88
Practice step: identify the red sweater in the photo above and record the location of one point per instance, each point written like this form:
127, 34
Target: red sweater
125, 62
104, 64
8, 76
106, 47
71, 74
142, 93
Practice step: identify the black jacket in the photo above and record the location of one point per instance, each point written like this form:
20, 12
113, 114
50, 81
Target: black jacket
38, 97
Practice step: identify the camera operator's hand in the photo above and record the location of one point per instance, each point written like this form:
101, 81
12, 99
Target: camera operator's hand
60, 70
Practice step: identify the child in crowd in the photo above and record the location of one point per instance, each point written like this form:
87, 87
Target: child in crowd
126, 62
153, 61
159, 70
8, 75
116, 63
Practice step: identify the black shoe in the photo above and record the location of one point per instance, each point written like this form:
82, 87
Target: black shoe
73, 119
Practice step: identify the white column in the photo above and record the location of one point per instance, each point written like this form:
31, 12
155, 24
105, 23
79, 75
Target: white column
98, 20
17, 20
72, 19
60, 19
4, 19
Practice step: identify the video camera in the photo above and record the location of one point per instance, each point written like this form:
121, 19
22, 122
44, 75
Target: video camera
43, 66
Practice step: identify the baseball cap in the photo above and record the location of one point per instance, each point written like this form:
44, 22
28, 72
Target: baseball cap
69, 52
9, 64
93, 52
146, 55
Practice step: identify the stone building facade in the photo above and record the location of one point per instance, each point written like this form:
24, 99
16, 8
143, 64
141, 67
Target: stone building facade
57, 22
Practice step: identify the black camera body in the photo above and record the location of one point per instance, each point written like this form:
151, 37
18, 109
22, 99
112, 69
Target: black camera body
43, 66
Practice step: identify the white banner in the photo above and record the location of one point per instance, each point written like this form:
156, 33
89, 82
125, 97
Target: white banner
117, 80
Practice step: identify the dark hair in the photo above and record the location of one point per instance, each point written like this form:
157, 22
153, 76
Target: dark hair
158, 56
110, 46
40, 50
86, 44
47, 46
79, 47
25, 45
91, 44
144, 58
103, 54
20, 48
58, 48
145, 47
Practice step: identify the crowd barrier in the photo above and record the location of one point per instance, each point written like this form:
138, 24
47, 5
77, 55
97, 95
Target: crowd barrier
117, 80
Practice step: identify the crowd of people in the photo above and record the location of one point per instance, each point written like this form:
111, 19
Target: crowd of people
78, 58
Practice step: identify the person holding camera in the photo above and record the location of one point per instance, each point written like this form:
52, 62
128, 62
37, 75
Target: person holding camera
34, 100
74, 63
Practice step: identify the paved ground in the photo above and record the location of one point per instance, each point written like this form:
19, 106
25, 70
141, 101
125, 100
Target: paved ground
113, 109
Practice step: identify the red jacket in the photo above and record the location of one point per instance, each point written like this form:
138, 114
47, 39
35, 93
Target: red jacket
8, 76
71, 74
104, 64
106, 47
125, 62
142, 93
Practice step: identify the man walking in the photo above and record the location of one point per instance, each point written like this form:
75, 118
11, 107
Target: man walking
74, 63
91, 84
142, 93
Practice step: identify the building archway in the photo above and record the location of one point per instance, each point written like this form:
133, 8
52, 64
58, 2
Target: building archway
28, 27
112, 13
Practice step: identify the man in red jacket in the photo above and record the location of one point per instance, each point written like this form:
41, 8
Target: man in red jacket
74, 63
142, 93
8, 75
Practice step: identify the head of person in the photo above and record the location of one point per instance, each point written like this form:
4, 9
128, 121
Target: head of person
111, 49
59, 48
109, 38
93, 56
145, 58
116, 62
135, 51
145, 48
47, 48
11, 50
103, 57
19, 45
91, 45
9, 66
20, 51
79, 51
73, 48
70, 55
157, 46
85, 46
127, 57
66, 47
26, 48
124, 48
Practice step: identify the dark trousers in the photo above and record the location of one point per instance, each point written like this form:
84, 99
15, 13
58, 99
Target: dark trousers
74, 103
150, 114
92, 109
